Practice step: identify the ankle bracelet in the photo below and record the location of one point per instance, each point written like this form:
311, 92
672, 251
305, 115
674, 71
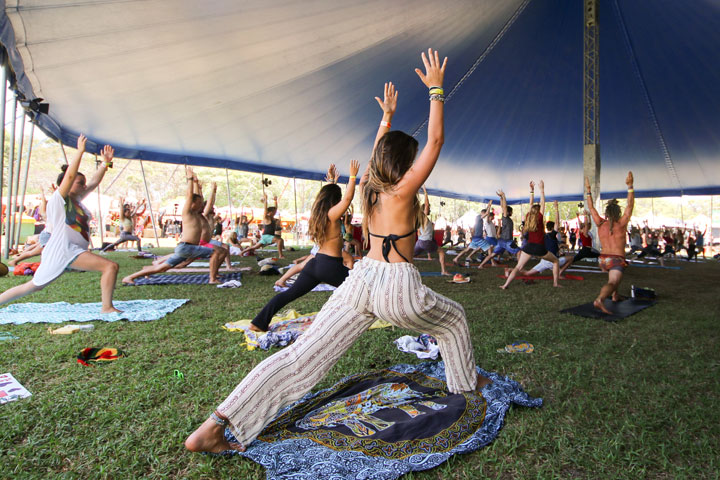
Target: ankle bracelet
218, 420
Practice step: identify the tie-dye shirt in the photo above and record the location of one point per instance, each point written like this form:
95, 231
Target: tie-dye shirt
77, 217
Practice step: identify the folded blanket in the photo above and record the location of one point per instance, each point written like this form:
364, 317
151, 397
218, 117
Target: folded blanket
190, 279
59, 312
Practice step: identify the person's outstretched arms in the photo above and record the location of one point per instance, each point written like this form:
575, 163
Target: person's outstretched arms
542, 197
591, 206
211, 199
532, 193
557, 213
503, 202
433, 78
426, 205
71, 172
107, 154
341, 207
332, 174
388, 105
625, 219
190, 178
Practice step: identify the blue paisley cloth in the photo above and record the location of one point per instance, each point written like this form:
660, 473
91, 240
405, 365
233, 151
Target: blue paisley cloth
59, 312
382, 425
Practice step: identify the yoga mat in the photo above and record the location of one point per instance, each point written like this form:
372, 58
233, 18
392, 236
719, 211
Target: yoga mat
241, 325
408, 422
196, 264
583, 270
619, 309
543, 277
205, 270
59, 312
436, 274
323, 287
190, 279
633, 264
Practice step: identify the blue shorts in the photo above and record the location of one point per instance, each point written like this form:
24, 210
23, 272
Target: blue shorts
505, 246
267, 239
478, 242
185, 251
216, 243
44, 237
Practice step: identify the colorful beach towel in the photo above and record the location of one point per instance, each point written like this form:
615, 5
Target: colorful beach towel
11, 389
60, 312
91, 356
382, 425
190, 279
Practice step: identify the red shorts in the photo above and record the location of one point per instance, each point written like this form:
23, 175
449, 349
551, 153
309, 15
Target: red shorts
612, 262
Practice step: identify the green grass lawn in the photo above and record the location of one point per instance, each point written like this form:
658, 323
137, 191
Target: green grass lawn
634, 399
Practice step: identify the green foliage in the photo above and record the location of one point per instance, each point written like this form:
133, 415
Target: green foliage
634, 399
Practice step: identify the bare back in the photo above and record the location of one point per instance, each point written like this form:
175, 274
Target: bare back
613, 243
393, 215
192, 227
332, 246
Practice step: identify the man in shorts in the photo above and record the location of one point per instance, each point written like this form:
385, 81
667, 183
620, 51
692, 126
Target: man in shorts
188, 248
477, 242
612, 232
504, 243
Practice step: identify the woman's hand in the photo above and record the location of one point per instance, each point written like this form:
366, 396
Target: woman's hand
542, 186
107, 152
532, 185
500, 193
434, 72
81, 141
629, 180
332, 174
354, 167
389, 101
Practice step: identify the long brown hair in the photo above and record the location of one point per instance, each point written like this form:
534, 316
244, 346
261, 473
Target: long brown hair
393, 156
329, 196
531, 219
612, 212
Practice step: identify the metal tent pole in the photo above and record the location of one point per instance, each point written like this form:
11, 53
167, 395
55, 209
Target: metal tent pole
682, 215
101, 224
62, 147
14, 226
711, 225
152, 215
3, 87
107, 189
11, 166
24, 188
297, 237
227, 183
652, 210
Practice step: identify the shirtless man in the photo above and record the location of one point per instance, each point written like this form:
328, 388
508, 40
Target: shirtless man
208, 229
188, 248
612, 232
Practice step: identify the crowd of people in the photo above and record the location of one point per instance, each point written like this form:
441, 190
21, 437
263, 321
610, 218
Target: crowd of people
374, 275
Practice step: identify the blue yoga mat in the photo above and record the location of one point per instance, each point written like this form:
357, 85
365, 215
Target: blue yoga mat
59, 312
185, 279
408, 422
435, 274
652, 266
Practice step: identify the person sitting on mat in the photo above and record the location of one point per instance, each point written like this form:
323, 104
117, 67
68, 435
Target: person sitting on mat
42, 238
69, 220
327, 264
384, 284
504, 243
269, 230
535, 245
189, 247
426, 236
611, 231
128, 220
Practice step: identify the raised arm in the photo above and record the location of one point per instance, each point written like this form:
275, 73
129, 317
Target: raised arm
423, 166
487, 209
591, 206
141, 204
211, 200
107, 154
426, 205
122, 208
532, 193
190, 191
332, 174
341, 207
503, 203
557, 213
72, 169
542, 197
625, 219
388, 105
265, 205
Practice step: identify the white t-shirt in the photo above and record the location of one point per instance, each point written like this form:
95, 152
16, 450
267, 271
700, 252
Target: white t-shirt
490, 229
427, 232
67, 240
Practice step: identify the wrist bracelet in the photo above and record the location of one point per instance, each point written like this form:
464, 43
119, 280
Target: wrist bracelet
353, 177
631, 190
385, 124
437, 97
437, 91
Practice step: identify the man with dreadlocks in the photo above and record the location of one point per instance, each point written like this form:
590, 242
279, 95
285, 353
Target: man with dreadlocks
612, 231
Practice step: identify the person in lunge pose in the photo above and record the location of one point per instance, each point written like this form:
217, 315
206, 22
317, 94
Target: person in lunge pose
504, 243
269, 224
69, 221
426, 236
612, 232
383, 284
188, 248
535, 246
128, 220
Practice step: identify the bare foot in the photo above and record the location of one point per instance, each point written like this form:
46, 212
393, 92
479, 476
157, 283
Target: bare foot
504, 287
445, 274
254, 328
110, 310
214, 282
11, 263
281, 256
128, 281
481, 382
455, 262
557, 286
562, 277
210, 437
599, 305
507, 272
280, 284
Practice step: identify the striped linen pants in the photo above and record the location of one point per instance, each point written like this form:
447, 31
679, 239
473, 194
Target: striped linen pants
390, 291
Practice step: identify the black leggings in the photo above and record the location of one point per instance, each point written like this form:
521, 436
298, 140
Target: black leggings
585, 252
322, 268
650, 250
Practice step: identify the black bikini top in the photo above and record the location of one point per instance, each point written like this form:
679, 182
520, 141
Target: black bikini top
389, 243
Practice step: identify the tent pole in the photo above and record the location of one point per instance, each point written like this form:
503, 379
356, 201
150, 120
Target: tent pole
24, 188
652, 210
297, 237
62, 147
152, 215
3, 86
682, 215
15, 226
101, 225
711, 226
11, 173
262, 177
116, 177
227, 181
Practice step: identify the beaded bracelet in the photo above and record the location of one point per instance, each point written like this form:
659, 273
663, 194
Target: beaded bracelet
218, 420
439, 98
385, 124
